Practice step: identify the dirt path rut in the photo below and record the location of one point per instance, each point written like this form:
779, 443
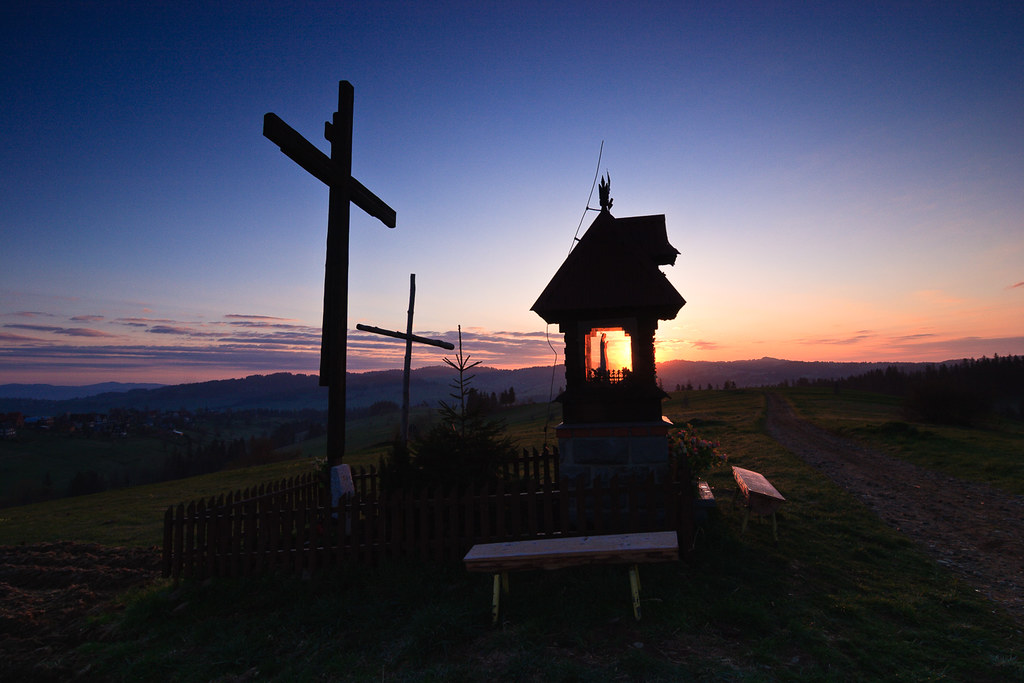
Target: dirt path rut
974, 529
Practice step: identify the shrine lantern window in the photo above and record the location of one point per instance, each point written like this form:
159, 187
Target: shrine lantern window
609, 355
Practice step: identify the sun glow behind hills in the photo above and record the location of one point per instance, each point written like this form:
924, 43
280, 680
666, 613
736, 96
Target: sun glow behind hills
842, 182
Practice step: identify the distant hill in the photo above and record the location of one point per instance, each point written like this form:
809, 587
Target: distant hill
49, 392
280, 391
285, 391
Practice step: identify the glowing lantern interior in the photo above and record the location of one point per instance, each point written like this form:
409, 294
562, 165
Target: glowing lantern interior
608, 353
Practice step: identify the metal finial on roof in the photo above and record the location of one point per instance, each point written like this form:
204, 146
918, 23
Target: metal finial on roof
603, 190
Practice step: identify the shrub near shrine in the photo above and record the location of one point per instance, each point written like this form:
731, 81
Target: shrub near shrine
465, 447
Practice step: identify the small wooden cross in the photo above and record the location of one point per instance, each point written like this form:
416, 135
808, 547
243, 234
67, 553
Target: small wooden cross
409, 338
335, 172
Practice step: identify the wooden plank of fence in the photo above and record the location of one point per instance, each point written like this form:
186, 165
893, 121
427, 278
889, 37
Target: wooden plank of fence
368, 530
458, 541
293, 556
230, 545
436, 510
635, 491
532, 500
220, 537
179, 542
272, 533
168, 545
469, 512
547, 509
499, 510
190, 539
340, 538
202, 531
214, 535
304, 537
419, 546
246, 547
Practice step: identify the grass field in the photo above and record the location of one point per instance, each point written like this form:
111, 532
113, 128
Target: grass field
841, 597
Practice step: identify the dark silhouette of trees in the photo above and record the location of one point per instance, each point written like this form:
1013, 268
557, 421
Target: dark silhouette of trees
958, 392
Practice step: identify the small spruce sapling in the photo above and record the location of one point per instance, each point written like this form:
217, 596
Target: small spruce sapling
463, 448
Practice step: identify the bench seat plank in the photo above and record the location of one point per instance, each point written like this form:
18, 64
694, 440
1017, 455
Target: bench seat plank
762, 497
556, 553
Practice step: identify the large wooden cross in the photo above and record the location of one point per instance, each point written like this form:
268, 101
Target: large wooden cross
335, 172
409, 338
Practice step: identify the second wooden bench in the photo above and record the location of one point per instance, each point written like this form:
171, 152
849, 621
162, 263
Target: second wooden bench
759, 495
560, 552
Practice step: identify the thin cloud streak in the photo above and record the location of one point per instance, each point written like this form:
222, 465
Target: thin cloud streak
17, 338
238, 345
70, 331
257, 317
157, 363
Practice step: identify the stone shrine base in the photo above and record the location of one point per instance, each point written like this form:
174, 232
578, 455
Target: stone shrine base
600, 451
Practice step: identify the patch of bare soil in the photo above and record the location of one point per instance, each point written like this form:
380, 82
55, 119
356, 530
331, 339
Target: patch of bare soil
47, 594
975, 530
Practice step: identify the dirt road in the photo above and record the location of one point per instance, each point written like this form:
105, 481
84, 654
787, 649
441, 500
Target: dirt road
973, 529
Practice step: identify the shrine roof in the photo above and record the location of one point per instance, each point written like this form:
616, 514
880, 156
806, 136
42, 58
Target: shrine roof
613, 271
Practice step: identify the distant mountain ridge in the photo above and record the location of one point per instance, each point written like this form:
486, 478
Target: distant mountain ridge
285, 391
51, 392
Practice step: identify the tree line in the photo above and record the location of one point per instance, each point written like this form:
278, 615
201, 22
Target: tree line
185, 454
948, 393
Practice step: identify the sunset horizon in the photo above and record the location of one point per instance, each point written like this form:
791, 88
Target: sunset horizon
843, 183
372, 356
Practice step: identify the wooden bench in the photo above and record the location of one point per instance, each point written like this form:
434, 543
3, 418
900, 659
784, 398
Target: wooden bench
557, 553
759, 495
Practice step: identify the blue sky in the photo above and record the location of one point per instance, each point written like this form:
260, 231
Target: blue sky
844, 181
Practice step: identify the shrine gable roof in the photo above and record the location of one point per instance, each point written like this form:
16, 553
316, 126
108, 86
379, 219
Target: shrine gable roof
613, 271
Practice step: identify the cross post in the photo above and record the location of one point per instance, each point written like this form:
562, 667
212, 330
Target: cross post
409, 338
335, 172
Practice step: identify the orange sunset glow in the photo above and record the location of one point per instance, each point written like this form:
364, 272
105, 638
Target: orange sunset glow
842, 181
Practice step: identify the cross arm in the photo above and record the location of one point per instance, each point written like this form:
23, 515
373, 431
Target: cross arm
319, 165
402, 335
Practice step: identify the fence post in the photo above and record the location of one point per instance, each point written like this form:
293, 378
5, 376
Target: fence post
531, 499
179, 541
547, 513
165, 564
202, 540
190, 537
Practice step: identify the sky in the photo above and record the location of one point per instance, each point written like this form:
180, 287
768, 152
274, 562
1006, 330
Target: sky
843, 181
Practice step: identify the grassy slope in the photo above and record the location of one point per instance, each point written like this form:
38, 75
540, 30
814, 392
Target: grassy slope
134, 516
842, 597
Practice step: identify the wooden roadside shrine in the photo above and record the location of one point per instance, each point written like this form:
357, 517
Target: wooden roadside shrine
334, 171
409, 338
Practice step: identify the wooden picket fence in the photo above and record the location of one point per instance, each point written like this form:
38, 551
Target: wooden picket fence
290, 526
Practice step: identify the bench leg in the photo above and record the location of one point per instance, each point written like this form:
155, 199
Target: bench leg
746, 518
634, 584
500, 586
